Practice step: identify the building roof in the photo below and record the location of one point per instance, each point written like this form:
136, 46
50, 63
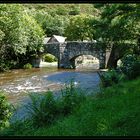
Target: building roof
59, 38
46, 39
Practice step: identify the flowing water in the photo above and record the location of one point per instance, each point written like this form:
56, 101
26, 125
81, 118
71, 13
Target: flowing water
17, 84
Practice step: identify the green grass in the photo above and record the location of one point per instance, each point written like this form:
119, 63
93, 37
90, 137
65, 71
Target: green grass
115, 112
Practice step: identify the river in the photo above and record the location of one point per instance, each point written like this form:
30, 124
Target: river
17, 84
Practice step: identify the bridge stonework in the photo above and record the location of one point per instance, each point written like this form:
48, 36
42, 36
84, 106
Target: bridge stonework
67, 52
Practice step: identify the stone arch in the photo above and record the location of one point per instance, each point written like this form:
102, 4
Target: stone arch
54, 54
72, 59
53, 49
67, 52
48, 55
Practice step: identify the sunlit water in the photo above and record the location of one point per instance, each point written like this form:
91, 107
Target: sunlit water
17, 84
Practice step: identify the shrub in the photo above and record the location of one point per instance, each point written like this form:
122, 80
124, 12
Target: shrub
49, 58
131, 66
21, 36
61, 11
127, 62
135, 70
6, 65
71, 98
42, 108
5, 112
27, 66
111, 77
74, 11
45, 109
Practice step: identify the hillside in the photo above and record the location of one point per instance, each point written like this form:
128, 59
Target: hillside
65, 9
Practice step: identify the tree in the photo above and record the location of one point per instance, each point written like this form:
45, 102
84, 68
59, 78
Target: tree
75, 10
79, 29
119, 29
51, 24
20, 35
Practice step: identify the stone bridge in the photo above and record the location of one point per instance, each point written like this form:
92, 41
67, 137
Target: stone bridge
67, 52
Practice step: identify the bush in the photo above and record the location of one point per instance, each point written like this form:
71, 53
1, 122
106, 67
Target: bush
61, 11
5, 112
135, 70
42, 109
6, 65
49, 58
131, 66
111, 77
75, 10
27, 66
45, 109
71, 98
21, 36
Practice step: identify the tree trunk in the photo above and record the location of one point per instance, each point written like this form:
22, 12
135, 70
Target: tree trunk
112, 61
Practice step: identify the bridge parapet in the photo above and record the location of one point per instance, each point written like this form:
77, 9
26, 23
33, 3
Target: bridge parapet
68, 51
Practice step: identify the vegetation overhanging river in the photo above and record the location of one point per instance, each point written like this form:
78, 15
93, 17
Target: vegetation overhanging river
17, 84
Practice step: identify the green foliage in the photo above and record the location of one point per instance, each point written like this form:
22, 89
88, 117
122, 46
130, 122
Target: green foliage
79, 28
53, 9
27, 66
42, 109
5, 112
51, 24
111, 77
75, 10
21, 36
61, 10
6, 65
71, 98
135, 72
49, 58
118, 28
1, 35
45, 109
131, 66
115, 112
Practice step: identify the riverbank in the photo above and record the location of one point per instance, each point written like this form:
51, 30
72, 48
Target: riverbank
114, 112
18, 84
47, 64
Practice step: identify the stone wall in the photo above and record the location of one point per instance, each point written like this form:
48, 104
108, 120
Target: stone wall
67, 52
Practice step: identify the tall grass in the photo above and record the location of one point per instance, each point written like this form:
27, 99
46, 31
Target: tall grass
111, 77
115, 112
71, 98
45, 109
6, 110
42, 109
